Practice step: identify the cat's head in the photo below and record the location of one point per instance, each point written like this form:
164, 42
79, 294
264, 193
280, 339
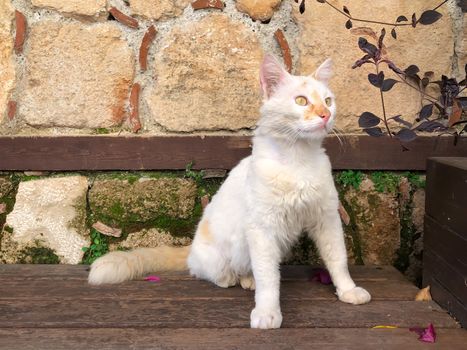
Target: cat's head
296, 107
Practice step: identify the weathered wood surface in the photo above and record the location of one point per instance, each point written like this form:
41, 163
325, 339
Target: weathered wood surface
226, 338
62, 153
52, 307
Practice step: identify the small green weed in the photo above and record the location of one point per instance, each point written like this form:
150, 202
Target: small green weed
99, 246
349, 178
193, 174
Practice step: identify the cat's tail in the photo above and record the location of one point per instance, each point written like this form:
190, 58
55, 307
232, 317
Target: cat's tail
116, 267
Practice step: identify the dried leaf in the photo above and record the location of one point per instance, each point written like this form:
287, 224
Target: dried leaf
398, 119
107, 230
346, 10
343, 214
204, 201
427, 335
401, 19
364, 31
426, 111
424, 294
301, 8
362, 61
406, 135
152, 278
430, 126
411, 70
367, 47
381, 38
393, 33
348, 24
321, 275
414, 20
387, 327
456, 112
429, 17
368, 120
375, 132
388, 84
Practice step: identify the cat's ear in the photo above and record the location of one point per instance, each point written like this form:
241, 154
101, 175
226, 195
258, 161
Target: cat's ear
271, 75
324, 71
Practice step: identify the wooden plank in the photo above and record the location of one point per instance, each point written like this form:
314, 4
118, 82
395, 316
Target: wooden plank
117, 313
446, 274
172, 289
65, 153
446, 192
445, 298
446, 243
26, 272
233, 338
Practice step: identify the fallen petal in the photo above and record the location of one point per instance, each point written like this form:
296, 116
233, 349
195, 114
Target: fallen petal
152, 278
321, 275
2, 208
424, 294
427, 335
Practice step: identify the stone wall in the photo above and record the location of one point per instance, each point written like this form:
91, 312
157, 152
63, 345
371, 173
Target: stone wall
73, 218
178, 66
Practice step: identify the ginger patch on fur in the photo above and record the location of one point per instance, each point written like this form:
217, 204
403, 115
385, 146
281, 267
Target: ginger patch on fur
205, 232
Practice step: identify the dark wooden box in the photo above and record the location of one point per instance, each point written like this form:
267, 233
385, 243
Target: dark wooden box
445, 240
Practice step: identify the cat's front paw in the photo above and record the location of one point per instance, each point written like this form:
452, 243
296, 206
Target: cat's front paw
266, 319
356, 296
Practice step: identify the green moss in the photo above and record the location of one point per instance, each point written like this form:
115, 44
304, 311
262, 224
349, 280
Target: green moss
117, 210
38, 255
416, 180
102, 131
352, 230
385, 181
350, 178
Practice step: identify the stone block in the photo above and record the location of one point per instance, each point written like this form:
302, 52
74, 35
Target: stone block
48, 214
149, 238
158, 9
261, 10
7, 66
75, 8
77, 75
122, 203
207, 77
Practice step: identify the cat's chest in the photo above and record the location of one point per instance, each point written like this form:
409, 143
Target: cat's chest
294, 184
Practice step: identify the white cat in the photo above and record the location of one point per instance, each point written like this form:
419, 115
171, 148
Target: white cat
268, 199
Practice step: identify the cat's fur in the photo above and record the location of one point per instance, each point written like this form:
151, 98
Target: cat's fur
268, 199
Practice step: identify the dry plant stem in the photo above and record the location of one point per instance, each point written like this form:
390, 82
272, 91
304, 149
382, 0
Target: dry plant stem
377, 22
367, 20
384, 107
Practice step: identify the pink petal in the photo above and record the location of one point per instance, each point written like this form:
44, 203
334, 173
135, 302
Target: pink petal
321, 275
152, 278
427, 335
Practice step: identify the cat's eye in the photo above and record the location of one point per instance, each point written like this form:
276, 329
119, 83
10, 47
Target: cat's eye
301, 100
328, 101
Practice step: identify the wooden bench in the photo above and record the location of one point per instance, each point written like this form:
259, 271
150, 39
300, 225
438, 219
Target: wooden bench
52, 307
